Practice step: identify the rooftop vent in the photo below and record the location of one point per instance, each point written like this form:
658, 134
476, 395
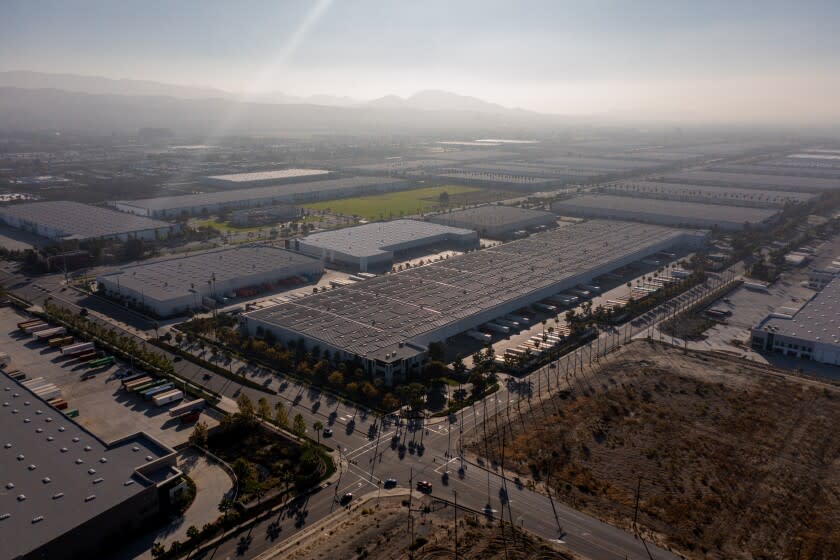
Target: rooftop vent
61, 428
79, 461
46, 480
76, 439
91, 471
38, 519
21, 497
64, 450
90, 498
5, 516
8, 445
58, 496
10, 485
32, 467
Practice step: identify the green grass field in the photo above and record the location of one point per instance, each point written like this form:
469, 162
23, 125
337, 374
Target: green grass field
225, 227
390, 205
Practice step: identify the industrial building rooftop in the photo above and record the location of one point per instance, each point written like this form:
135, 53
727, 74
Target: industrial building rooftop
291, 192
268, 176
817, 321
380, 318
668, 212
495, 219
56, 475
62, 219
752, 181
174, 277
705, 193
379, 237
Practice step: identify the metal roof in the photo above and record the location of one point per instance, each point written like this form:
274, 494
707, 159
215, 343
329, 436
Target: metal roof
273, 175
493, 215
737, 196
379, 237
750, 180
174, 277
256, 193
678, 211
817, 321
374, 316
53, 469
81, 221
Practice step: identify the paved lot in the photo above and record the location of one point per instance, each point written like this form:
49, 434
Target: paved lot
212, 484
104, 408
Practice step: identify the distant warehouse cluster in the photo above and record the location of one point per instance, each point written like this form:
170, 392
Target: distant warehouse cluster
708, 194
387, 322
64, 220
497, 221
176, 285
263, 178
292, 193
664, 212
373, 247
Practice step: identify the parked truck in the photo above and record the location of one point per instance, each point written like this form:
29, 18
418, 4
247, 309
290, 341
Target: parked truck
76, 349
497, 328
23, 324
60, 341
101, 362
47, 334
5, 359
39, 326
168, 397
149, 393
479, 336
187, 407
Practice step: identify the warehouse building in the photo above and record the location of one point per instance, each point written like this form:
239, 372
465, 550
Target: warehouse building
387, 322
174, 286
292, 193
67, 494
264, 178
373, 247
753, 181
707, 194
497, 221
663, 212
812, 333
63, 220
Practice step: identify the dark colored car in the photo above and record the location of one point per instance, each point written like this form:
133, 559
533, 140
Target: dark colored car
424, 486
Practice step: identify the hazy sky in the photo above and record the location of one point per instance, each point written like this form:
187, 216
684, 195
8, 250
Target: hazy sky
734, 58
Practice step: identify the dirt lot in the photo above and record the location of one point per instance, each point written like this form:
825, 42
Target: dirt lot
380, 532
732, 460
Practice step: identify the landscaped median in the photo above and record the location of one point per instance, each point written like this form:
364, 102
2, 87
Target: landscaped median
241, 379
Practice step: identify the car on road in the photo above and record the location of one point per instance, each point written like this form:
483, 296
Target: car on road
346, 498
424, 486
177, 359
390, 483
328, 432
206, 376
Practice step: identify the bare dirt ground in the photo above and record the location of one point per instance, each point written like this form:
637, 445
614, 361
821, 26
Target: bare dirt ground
732, 460
381, 532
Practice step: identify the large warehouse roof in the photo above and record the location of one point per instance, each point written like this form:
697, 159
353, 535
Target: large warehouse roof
736, 196
375, 317
174, 277
80, 221
57, 475
817, 321
377, 238
672, 211
749, 180
493, 215
256, 193
265, 176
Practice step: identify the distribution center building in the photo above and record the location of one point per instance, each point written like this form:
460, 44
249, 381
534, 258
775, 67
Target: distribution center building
291, 193
663, 212
264, 178
64, 221
173, 286
497, 221
67, 494
387, 322
372, 247
812, 333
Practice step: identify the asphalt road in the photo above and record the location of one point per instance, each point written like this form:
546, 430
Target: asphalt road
369, 456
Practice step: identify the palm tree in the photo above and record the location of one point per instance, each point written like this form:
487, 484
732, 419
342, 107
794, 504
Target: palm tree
318, 426
225, 505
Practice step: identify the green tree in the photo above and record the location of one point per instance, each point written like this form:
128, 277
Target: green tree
157, 550
318, 426
199, 434
247, 413
225, 506
443, 198
263, 409
298, 425
192, 532
281, 417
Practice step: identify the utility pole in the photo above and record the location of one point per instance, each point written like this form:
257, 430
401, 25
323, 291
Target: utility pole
636, 507
455, 493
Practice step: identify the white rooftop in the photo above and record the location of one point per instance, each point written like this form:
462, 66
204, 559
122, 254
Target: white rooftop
273, 175
817, 321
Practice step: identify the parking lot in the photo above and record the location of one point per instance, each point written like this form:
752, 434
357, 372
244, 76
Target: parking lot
104, 408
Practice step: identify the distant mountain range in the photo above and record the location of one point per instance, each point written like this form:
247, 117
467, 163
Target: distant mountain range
38, 101
428, 100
